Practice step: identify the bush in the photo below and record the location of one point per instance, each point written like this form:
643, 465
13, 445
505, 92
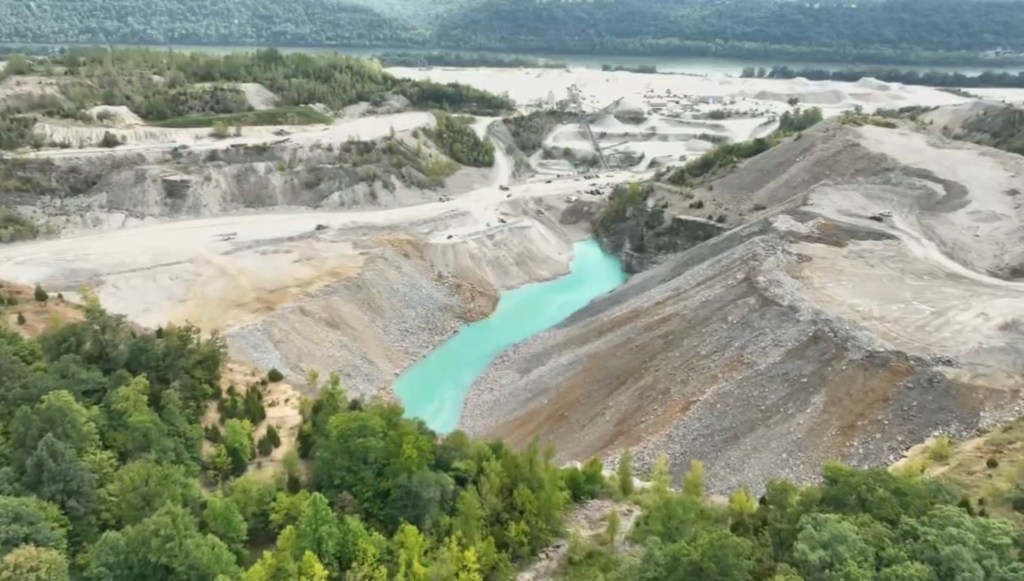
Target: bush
264, 447
992, 462
941, 450
212, 433
40, 294
1017, 502
274, 375
21, 318
273, 436
219, 130
110, 140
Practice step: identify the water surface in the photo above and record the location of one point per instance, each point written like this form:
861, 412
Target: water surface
434, 389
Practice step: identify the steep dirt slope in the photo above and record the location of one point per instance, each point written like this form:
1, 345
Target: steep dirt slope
810, 333
983, 122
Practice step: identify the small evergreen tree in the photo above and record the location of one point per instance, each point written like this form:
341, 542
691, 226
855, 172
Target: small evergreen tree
21, 318
40, 294
273, 436
274, 375
625, 473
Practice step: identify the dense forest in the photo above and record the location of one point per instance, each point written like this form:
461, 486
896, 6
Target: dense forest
883, 31
907, 77
104, 475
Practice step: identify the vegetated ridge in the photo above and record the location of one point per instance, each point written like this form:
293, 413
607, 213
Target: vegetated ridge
886, 31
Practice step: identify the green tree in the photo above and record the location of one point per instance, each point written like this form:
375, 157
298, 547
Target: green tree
55, 473
58, 415
142, 487
254, 496
410, 549
613, 527
710, 554
830, 547
31, 563
353, 459
40, 294
237, 441
693, 481
908, 571
469, 521
222, 519
661, 478
30, 521
625, 473
958, 546
166, 546
369, 562
318, 531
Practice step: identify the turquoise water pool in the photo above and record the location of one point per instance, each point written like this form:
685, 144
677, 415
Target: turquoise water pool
435, 388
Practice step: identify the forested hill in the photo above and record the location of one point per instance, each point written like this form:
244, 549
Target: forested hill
923, 30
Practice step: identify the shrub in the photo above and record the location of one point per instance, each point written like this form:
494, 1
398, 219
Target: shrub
273, 436
219, 130
992, 462
212, 433
21, 318
941, 450
1017, 502
264, 447
40, 294
268, 442
110, 140
274, 375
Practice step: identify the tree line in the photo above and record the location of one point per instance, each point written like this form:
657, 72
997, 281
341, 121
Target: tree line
887, 31
907, 77
855, 525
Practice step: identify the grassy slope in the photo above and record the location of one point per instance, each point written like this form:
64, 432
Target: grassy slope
967, 467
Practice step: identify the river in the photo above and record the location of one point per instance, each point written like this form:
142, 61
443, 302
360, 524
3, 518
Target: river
434, 388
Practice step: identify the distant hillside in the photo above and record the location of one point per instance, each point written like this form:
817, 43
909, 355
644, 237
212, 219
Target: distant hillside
925, 31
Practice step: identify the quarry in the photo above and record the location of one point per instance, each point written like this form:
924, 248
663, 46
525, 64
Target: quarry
848, 293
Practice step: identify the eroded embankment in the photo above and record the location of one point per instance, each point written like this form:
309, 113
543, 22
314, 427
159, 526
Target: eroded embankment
362, 293
410, 295
771, 349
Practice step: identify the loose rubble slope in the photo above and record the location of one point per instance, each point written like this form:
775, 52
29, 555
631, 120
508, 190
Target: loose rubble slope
872, 304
